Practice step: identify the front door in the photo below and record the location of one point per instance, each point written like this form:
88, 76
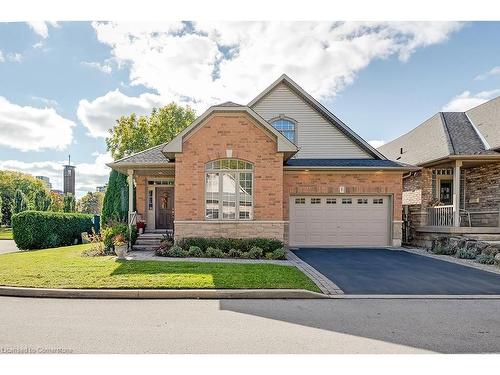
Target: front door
164, 207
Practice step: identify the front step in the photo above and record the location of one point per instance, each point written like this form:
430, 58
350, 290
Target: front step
148, 241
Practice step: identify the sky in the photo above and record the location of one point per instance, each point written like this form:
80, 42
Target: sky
63, 84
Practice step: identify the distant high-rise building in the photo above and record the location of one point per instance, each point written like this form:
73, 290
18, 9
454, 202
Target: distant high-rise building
101, 189
69, 178
45, 180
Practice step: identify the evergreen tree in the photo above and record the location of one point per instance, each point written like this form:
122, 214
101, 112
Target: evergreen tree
69, 203
115, 205
42, 201
20, 202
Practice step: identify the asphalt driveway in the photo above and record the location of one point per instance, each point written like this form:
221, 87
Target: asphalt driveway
384, 271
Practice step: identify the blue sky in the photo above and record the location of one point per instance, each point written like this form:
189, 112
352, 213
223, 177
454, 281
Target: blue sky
63, 84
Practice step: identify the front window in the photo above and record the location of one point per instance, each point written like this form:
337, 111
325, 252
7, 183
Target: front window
285, 127
228, 190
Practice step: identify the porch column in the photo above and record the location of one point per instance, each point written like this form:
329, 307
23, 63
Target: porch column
456, 193
130, 181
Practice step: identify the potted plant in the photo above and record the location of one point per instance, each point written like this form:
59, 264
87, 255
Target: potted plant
141, 226
120, 246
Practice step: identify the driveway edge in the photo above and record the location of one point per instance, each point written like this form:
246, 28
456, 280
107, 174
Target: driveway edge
161, 293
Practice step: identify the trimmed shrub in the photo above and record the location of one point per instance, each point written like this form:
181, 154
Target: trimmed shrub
245, 255
177, 252
255, 253
195, 251
42, 230
278, 253
485, 259
115, 203
226, 244
444, 250
491, 250
233, 253
466, 254
213, 252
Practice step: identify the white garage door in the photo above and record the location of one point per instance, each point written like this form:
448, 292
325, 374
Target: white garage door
339, 221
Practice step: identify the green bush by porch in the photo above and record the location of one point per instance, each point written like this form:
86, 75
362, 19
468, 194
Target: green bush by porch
41, 230
65, 268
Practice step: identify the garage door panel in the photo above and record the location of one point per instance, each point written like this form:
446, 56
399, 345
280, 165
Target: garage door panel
360, 223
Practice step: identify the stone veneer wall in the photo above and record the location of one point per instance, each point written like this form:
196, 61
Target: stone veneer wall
249, 229
247, 141
482, 193
359, 182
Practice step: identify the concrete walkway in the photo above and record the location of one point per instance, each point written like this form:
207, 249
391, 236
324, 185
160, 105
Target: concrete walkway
8, 246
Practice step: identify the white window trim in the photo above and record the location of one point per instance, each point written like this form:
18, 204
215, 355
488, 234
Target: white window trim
237, 208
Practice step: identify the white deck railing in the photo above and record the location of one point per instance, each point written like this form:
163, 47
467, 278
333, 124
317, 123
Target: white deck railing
440, 216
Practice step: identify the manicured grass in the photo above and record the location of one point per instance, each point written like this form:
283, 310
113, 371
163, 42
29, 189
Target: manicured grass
5, 233
64, 267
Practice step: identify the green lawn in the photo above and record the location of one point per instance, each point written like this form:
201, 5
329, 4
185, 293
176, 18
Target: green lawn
64, 267
5, 233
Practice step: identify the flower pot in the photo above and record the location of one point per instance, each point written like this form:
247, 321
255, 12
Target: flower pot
121, 251
141, 230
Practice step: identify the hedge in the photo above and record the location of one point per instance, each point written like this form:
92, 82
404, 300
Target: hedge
226, 244
42, 230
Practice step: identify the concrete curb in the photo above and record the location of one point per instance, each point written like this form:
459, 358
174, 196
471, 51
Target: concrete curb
161, 293
416, 296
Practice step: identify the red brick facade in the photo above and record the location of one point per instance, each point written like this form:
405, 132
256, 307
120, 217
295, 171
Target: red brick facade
272, 186
249, 142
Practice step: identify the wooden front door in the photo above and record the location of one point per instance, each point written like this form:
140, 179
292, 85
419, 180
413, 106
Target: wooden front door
164, 207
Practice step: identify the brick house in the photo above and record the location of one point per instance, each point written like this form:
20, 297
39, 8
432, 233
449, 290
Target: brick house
280, 167
457, 190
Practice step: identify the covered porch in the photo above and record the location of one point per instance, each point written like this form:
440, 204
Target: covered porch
152, 197
462, 198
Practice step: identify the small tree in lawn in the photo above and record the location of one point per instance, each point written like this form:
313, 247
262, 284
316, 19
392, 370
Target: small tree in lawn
69, 203
20, 202
56, 202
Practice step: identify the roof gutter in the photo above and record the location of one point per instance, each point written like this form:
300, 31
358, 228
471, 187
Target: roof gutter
459, 157
340, 168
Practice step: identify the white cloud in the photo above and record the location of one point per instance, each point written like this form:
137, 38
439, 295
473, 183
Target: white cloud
15, 57
492, 72
467, 100
88, 175
41, 27
32, 129
38, 45
105, 68
213, 62
2, 59
101, 114
376, 143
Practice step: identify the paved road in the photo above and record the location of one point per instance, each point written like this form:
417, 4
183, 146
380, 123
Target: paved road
250, 326
383, 271
7, 246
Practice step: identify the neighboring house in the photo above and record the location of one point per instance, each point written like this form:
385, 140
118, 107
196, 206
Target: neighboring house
280, 167
457, 191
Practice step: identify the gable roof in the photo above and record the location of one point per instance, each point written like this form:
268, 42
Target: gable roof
330, 117
283, 143
486, 119
444, 134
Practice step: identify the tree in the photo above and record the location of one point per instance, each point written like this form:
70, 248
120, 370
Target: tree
56, 202
90, 203
42, 201
1, 203
20, 202
10, 182
69, 203
132, 134
115, 204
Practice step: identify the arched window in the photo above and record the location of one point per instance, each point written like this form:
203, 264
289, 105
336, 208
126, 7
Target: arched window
285, 127
228, 190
